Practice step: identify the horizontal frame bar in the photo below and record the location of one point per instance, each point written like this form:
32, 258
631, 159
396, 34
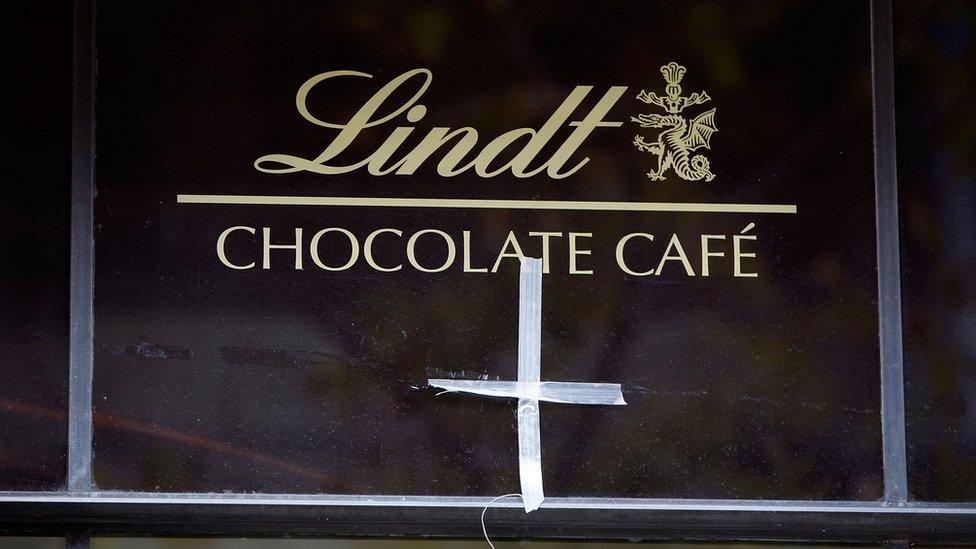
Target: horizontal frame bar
257, 515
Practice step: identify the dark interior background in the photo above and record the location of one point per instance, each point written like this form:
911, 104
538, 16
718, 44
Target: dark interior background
935, 84
34, 246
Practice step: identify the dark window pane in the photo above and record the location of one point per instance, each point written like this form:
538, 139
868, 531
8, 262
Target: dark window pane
936, 53
34, 248
209, 378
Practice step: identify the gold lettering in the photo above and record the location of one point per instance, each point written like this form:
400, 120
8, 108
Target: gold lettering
466, 238
622, 263
268, 246
412, 256
675, 244
574, 251
510, 242
368, 250
382, 161
353, 251
221, 254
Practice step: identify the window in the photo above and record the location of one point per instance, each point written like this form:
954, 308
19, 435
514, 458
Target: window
286, 220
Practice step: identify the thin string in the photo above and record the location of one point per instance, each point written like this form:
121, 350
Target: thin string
485, 510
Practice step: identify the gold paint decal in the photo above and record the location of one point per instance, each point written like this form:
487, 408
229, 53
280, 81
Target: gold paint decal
679, 138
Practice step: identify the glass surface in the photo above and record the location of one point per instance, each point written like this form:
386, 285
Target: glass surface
936, 53
35, 248
210, 379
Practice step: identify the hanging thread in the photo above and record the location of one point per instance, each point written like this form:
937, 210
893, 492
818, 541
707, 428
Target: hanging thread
484, 530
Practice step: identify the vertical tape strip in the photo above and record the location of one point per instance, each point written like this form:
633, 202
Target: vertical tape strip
530, 454
530, 320
529, 372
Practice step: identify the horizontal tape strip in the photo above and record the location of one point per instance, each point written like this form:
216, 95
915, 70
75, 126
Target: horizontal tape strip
562, 392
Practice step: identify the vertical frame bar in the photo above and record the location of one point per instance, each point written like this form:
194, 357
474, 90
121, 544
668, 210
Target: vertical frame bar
889, 264
82, 248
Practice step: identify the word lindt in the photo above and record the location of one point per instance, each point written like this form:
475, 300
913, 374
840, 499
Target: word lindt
459, 143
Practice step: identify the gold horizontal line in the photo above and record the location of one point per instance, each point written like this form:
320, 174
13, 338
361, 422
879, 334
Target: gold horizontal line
465, 203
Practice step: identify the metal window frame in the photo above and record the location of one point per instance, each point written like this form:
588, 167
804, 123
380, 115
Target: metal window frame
80, 511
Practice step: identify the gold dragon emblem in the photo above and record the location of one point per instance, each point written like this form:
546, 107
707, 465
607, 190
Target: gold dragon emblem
680, 137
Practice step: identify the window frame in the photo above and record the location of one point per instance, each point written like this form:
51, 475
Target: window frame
81, 511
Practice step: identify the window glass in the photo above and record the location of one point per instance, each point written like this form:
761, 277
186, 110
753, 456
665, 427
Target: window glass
35, 250
936, 50
214, 373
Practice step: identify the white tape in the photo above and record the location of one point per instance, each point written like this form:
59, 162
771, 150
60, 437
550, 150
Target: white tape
529, 389
530, 320
529, 370
560, 392
530, 454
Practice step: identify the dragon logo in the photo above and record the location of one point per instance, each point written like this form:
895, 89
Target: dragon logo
679, 138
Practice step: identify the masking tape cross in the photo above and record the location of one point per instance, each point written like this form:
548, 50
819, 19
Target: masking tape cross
528, 389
